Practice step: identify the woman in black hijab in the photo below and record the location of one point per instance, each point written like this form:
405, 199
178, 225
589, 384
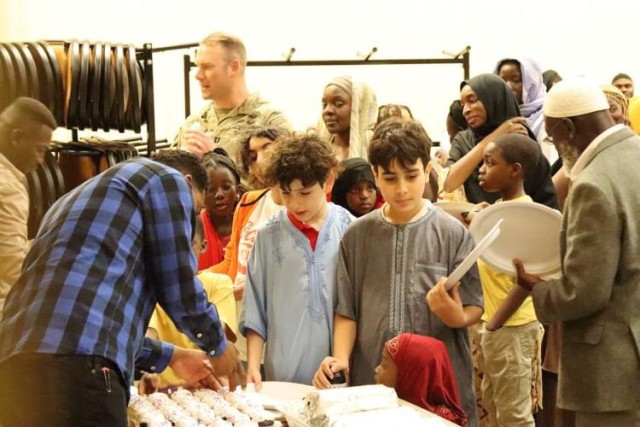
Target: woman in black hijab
491, 110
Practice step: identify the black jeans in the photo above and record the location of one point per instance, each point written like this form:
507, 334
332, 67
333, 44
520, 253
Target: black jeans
58, 390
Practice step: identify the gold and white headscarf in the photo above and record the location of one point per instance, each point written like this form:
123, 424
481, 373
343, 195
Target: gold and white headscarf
364, 112
614, 94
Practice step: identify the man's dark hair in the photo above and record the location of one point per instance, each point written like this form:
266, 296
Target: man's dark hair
404, 142
550, 77
185, 163
620, 76
516, 148
455, 112
22, 112
304, 156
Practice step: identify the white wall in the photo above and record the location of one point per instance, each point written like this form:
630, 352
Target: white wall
595, 39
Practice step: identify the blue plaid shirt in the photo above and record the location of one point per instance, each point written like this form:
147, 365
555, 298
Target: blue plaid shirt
104, 255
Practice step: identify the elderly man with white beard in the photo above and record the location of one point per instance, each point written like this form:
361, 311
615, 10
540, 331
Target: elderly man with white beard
597, 298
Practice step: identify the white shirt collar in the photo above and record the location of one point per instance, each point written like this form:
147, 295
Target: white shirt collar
423, 211
588, 152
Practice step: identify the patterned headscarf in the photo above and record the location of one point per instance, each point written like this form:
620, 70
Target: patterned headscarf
425, 375
343, 82
364, 112
616, 95
533, 91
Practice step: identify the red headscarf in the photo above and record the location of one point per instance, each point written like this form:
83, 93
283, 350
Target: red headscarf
425, 375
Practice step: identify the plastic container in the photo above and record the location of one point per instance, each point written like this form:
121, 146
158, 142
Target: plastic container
339, 380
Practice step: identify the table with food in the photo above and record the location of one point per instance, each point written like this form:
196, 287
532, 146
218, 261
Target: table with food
278, 404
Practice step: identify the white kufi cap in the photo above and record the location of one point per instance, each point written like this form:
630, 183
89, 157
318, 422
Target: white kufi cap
574, 97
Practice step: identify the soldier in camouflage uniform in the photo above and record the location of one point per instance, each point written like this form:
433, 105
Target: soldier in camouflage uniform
225, 122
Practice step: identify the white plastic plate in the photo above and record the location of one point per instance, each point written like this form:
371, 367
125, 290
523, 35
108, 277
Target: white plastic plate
473, 256
529, 232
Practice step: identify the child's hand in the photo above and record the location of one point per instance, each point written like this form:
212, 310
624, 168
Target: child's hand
328, 367
525, 280
238, 292
149, 383
447, 307
254, 376
469, 216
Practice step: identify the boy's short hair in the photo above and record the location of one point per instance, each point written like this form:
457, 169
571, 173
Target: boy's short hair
304, 156
185, 163
516, 148
402, 141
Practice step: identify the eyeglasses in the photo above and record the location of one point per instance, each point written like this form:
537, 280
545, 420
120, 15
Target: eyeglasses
549, 139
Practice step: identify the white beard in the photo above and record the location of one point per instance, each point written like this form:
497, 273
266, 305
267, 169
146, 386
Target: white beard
569, 156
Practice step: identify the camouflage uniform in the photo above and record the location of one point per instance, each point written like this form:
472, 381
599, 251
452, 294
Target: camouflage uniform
229, 130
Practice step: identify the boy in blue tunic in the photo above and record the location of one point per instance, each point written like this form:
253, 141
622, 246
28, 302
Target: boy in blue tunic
290, 289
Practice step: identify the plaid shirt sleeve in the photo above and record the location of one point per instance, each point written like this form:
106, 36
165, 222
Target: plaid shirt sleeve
168, 217
155, 356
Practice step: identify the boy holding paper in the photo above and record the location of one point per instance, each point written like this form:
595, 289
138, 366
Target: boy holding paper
383, 288
510, 334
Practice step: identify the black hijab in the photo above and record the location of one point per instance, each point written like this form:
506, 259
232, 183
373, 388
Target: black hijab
498, 101
501, 105
351, 172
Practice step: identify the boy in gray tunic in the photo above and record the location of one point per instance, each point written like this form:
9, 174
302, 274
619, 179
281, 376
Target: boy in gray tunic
393, 264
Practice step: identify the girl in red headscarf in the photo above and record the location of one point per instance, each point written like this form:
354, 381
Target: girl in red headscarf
419, 369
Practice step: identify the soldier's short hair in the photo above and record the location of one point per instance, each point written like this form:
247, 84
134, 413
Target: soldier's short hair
232, 45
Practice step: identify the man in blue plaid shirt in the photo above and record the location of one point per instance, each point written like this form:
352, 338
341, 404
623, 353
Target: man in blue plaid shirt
74, 322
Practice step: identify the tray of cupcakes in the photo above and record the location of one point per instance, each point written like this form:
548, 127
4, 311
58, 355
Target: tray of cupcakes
202, 407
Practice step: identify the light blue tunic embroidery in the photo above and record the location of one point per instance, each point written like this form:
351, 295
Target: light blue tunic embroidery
290, 294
